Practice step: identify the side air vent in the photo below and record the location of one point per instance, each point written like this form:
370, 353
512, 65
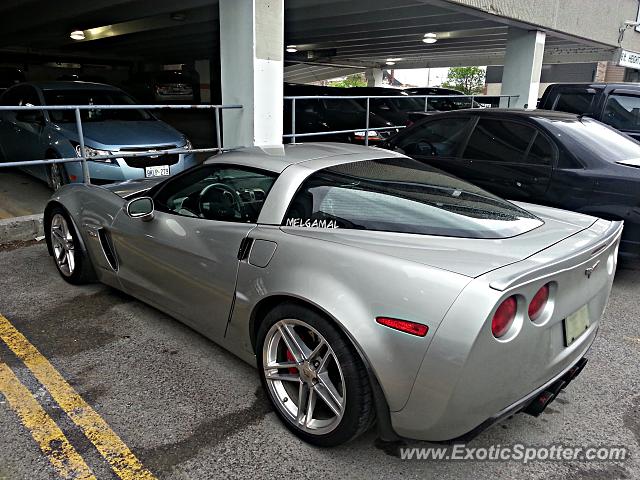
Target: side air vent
107, 248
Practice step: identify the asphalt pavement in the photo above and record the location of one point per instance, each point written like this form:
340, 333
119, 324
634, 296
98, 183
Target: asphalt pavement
188, 409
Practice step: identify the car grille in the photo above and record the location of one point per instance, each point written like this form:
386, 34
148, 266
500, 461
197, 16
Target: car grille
141, 162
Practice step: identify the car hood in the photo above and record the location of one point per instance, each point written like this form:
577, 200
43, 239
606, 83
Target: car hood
465, 256
114, 135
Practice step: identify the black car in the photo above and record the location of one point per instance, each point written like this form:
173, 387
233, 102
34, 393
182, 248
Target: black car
616, 104
402, 110
551, 158
325, 115
440, 103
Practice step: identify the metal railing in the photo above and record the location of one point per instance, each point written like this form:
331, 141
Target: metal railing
118, 154
366, 129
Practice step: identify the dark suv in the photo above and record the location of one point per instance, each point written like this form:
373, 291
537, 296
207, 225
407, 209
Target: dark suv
616, 104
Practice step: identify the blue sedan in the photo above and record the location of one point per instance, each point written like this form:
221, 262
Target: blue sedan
35, 135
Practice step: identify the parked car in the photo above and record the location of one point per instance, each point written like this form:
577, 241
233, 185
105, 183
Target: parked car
616, 104
442, 104
363, 284
167, 86
551, 158
35, 135
400, 111
332, 115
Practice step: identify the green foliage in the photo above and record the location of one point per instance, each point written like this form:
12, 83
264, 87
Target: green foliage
355, 80
469, 80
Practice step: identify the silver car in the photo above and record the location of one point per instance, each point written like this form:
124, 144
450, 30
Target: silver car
364, 285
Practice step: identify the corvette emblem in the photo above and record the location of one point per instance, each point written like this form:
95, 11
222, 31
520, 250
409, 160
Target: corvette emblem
589, 271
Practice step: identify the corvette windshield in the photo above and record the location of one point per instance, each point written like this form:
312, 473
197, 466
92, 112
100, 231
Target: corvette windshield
405, 196
93, 97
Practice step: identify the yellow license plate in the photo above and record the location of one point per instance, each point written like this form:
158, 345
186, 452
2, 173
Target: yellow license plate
575, 325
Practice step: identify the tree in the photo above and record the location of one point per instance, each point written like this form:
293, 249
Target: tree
355, 80
469, 80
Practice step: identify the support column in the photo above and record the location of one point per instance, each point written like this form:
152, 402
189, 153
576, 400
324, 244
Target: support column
374, 77
523, 67
251, 61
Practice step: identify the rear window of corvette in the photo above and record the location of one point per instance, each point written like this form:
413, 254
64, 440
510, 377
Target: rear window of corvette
405, 196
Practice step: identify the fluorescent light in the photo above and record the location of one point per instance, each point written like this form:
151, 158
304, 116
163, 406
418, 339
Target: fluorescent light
292, 48
77, 35
390, 62
430, 38
396, 59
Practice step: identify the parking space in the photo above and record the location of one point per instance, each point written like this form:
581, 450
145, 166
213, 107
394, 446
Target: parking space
21, 194
185, 408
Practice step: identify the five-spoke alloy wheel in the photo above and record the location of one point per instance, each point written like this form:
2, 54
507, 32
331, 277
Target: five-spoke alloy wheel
304, 376
313, 376
66, 248
63, 245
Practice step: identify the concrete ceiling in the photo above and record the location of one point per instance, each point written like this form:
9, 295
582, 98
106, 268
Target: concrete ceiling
333, 36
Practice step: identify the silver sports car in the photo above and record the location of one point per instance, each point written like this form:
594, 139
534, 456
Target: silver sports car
366, 286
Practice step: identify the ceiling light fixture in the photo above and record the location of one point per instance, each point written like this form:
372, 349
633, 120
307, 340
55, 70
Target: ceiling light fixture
292, 48
430, 38
390, 62
77, 35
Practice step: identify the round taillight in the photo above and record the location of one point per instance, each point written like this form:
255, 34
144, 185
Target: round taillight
504, 316
538, 302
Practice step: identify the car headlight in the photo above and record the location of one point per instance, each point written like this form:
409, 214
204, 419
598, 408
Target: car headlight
361, 133
93, 152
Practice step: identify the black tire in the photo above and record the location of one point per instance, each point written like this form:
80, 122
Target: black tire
83, 272
359, 409
56, 173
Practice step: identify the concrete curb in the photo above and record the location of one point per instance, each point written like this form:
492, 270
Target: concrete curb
21, 229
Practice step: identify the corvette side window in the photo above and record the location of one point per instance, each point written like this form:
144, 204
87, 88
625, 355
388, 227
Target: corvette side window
216, 192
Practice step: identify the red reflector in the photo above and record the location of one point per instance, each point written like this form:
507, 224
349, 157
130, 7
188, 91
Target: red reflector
538, 302
504, 316
404, 326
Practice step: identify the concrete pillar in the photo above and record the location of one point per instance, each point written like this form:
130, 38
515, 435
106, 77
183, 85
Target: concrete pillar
252, 70
374, 77
204, 72
523, 67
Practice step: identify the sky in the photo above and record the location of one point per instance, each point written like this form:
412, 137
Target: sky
420, 76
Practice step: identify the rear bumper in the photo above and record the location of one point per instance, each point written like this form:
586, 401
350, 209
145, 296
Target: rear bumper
533, 404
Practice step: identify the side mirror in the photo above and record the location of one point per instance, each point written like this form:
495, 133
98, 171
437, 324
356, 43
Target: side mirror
30, 116
141, 208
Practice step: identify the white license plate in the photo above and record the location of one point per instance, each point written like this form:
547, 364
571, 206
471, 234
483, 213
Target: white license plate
160, 171
575, 325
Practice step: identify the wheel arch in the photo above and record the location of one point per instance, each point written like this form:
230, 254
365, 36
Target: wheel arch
46, 224
265, 305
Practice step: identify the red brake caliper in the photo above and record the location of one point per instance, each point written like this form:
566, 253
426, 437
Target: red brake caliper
291, 358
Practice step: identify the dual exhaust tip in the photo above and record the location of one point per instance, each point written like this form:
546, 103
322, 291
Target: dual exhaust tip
540, 402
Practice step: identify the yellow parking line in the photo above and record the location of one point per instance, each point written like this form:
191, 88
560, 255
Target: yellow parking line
65, 459
122, 460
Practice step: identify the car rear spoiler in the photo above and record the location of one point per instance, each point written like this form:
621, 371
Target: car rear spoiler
571, 260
